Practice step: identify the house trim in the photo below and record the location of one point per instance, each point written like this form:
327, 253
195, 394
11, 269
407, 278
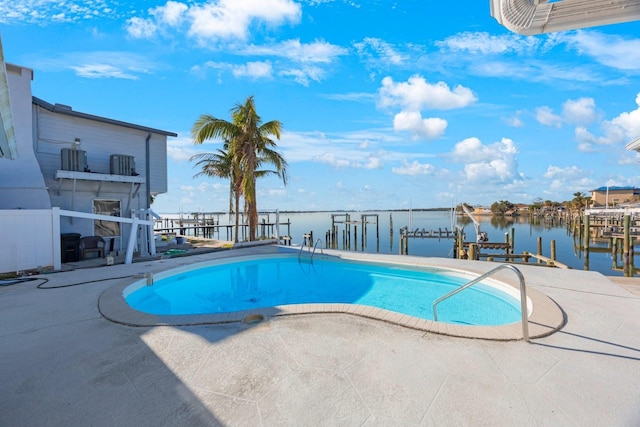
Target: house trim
67, 110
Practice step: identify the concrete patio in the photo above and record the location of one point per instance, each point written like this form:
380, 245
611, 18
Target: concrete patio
64, 364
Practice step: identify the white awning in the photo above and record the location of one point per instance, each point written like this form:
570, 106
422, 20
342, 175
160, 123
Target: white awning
530, 17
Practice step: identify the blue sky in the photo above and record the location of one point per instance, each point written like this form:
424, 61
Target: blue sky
384, 104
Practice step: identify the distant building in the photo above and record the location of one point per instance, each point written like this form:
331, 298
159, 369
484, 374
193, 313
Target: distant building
613, 196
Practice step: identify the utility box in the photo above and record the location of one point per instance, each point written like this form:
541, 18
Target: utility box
72, 159
122, 165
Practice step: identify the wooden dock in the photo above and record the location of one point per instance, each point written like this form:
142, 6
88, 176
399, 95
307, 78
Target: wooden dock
211, 228
427, 234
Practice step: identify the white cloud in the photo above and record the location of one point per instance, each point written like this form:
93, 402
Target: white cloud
318, 51
102, 71
629, 122
304, 75
255, 70
215, 20
413, 169
621, 129
181, 149
172, 13
372, 162
586, 140
141, 28
381, 51
417, 94
412, 121
485, 43
567, 177
513, 121
610, 50
231, 19
43, 12
545, 116
495, 162
99, 64
333, 160
581, 111
556, 172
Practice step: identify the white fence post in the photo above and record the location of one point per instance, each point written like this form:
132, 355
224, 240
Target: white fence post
128, 259
55, 239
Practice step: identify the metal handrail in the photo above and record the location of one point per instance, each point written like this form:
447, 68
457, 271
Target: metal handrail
312, 251
523, 296
315, 245
304, 242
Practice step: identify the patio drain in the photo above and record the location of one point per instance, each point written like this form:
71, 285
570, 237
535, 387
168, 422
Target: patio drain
252, 319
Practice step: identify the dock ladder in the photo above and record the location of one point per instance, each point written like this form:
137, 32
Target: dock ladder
523, 296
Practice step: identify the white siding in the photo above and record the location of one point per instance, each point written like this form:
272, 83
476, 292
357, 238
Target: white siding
158, 164
100, 141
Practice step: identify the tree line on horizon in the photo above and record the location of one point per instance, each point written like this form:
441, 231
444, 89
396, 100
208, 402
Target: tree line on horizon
579, 202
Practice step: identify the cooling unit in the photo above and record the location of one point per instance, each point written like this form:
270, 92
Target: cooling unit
123, 165
73, 159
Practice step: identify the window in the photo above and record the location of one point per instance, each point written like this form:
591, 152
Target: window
106, 228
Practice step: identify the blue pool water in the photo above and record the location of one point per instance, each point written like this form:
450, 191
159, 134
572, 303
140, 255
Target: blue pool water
281, 280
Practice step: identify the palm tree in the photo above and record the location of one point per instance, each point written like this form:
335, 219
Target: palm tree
250, 147
221, 165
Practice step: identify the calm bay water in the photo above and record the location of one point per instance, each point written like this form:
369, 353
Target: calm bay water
526, 235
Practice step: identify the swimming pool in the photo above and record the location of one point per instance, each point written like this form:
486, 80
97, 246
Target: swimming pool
255, 282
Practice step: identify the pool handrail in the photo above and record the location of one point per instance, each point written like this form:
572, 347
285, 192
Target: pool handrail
523, 296
312, 251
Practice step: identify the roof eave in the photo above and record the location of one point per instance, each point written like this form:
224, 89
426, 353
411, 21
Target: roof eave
58, 109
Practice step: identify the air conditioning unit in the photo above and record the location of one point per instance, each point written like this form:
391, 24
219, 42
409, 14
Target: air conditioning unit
123, 165
73, 159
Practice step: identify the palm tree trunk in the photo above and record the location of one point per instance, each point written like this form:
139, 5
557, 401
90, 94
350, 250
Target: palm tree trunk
237, 217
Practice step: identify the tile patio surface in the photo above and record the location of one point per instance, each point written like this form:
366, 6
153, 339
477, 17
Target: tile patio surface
63, 364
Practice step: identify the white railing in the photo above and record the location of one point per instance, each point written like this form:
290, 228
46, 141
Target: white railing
31, 237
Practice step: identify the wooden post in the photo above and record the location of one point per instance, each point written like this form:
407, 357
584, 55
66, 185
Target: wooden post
585, 230
406, 244
587, 234
513, 239
632, 268
553, 250
333, 230
355, 237
625, 246
377, 234
539, 249
473, 251
455, 245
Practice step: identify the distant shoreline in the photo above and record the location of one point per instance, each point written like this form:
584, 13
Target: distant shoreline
338, 211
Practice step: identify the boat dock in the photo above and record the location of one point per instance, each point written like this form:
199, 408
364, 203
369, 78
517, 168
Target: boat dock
208, 226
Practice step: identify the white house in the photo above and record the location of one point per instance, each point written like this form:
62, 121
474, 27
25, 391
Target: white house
77, 169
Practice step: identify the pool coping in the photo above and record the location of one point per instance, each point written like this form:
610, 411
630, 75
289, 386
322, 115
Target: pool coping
546, 316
